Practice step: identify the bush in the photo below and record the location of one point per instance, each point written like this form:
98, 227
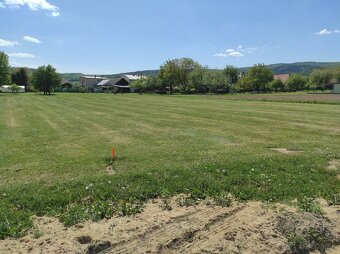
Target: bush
277, 85
296, 82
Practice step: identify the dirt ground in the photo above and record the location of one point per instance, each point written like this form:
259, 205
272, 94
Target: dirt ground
252, 227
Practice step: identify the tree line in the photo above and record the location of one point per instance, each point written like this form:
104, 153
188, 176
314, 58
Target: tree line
185, 75
44, 79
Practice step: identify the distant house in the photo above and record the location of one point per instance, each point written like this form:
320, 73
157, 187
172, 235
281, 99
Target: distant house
282, 77
66, 86
119, 85
8, 89
131, 78
100, 84
90, 82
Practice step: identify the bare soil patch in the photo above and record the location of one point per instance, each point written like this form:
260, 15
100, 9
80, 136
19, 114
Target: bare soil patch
252, 227
109, 170
334, 165
286, 151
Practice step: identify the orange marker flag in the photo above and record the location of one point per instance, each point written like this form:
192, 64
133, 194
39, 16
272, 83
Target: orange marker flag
113, 153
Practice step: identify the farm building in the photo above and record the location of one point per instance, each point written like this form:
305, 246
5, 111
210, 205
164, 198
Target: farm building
131, 78
7, 89
66, 86
114, 85
90, 82
336, 88
282, 77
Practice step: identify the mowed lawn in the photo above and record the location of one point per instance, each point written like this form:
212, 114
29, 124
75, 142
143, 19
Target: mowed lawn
54, 151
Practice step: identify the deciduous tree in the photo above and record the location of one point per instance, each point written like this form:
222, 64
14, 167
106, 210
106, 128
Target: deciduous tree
276, 85
256, 78
45, 78
296, 82
215, 81
170, 75
20, 78
319, 79
5, 76
232, 74
196, 79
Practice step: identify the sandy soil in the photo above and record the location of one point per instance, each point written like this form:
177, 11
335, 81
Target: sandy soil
286, 151
252, 227
334, 165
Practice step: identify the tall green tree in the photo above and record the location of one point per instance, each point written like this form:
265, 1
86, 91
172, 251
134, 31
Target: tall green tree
215, 81
45, 78
170, 75
196, 80
319, 79
296, 82
175, 73
20, 77
232, 74
186, 66
5, 73
256, 78
276, 85
260, 77
244, 84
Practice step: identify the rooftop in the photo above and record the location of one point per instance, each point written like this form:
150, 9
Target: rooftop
134, 77
93, 77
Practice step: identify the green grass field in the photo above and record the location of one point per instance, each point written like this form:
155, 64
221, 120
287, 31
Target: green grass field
54, 151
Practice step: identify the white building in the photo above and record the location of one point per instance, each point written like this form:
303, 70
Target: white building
7, 89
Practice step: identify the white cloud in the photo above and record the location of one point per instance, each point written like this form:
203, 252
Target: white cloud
33, 5
4, 43
221, 55
16, 64
230, 52
239, 52
236, 54
2, 5
21, 55
324, 32
31, 39
336, 31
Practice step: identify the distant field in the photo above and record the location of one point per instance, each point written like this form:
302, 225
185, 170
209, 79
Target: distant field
55, 152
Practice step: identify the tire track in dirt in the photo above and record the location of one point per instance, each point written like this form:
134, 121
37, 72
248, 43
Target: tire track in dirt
252, 227
175, 232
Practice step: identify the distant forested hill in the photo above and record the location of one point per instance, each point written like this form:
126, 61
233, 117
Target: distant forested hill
300, 67
280, 68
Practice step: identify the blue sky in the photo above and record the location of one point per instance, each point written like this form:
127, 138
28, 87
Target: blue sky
109, 36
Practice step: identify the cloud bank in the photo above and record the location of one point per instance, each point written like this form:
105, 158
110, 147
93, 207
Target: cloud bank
33, 5
20, 55
5, 43
239, 52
